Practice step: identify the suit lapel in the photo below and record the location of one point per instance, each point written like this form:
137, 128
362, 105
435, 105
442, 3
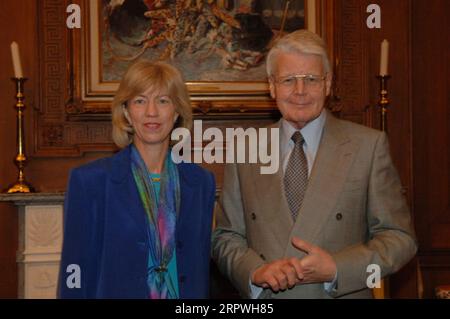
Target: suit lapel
184, 260
124, 193
186, 197
272, 203
333, 160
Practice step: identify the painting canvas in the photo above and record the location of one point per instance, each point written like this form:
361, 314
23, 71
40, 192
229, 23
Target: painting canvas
219, 45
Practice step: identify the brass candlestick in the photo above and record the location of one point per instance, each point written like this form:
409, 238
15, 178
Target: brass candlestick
384, 101
21, 186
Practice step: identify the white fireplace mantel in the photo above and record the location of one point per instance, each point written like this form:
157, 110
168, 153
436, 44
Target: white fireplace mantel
40, 240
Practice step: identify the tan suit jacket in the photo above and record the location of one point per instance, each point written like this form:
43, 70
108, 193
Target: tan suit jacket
353, 208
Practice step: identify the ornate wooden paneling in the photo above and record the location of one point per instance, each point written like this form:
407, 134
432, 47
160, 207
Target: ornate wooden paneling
57, 134
349, 61
52, 53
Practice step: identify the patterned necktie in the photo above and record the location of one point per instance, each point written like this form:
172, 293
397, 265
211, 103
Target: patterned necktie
296, 176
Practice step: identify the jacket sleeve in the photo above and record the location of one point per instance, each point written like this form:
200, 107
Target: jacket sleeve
77, 275
392, 241
229, 241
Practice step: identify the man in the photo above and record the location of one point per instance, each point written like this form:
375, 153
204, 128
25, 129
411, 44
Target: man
333, 208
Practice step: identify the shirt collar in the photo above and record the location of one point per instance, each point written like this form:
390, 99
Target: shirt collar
311, 132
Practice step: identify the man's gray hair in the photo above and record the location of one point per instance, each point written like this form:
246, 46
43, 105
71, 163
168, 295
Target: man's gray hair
299, 42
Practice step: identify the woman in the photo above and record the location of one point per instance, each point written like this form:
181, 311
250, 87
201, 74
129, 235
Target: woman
136, 225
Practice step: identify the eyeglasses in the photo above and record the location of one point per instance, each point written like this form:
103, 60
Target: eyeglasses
310, 81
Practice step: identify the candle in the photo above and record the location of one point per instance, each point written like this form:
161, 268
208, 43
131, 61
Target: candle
16, 60
384, 57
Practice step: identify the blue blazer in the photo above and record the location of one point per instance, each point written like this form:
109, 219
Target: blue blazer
105, 232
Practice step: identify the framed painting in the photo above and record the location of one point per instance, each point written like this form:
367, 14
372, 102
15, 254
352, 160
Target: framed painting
219, 45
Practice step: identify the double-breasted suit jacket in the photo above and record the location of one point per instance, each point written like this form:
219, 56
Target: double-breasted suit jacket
353, 208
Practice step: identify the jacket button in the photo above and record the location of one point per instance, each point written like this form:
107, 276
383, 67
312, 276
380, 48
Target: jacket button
338, 216
182, 278
179, 244
253, 216
262, 257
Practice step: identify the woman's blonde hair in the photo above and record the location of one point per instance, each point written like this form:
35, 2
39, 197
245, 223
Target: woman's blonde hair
140, 77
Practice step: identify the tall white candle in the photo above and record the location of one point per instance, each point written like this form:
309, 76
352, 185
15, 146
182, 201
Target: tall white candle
16, 60
384, 57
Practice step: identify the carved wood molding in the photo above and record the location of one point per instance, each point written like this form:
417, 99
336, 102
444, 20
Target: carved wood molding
350, 62
56, 134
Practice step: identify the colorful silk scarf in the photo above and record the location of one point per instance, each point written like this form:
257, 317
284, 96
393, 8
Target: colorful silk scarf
162, 216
